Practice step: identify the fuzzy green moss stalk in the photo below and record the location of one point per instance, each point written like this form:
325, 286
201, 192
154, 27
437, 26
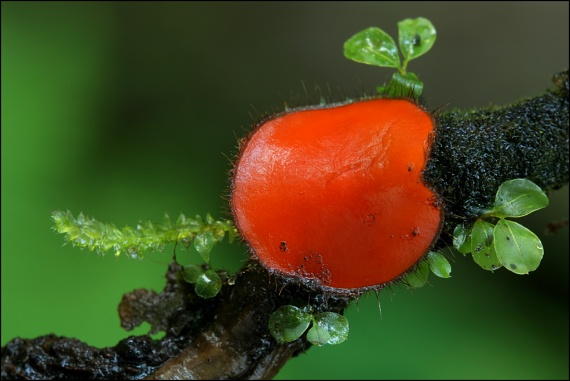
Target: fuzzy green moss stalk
86, 232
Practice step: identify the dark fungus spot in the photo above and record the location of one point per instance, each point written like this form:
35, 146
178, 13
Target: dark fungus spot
415, 232
410, 167
283, 246
507, 237
512, 265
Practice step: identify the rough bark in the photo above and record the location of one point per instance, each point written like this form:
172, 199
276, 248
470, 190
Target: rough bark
227, 337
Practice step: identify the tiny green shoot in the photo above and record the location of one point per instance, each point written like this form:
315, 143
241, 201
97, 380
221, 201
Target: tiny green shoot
373, 46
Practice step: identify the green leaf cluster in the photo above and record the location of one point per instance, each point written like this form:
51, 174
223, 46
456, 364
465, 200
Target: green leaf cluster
436, 262
373, 46
289, 322
500, 242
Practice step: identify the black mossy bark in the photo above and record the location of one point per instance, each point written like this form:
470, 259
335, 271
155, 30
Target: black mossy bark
474, 151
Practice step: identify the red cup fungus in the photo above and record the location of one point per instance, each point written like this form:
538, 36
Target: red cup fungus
335, 195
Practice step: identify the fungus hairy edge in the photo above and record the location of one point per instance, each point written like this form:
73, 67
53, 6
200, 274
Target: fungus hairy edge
335, 195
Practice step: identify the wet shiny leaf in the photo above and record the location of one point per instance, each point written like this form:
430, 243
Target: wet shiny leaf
482, 246
518, 249
208, 284
328, 328
204, 242
439, 265
288, 323
191, 273
517, 198
462, 239
372, 46
416, 37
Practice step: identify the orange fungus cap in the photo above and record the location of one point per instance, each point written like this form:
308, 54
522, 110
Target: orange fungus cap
336, 194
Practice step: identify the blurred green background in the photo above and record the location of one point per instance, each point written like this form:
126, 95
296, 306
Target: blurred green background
125, 111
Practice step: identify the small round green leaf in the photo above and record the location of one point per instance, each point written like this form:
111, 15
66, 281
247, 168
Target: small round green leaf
208, 284
517, 198
416, 37
517, 248
372, 46
204, 242
462, 239
288, 323
328, 328
318, 336
482, 246
418, 277
439, 265
191, 273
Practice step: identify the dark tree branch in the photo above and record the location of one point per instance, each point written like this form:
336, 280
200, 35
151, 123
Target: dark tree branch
475, 151
227, 337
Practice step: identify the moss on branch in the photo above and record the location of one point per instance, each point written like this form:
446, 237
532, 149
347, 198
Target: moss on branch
475, 151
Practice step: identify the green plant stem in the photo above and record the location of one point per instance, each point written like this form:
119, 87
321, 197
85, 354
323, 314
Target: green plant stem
404, 67
228, 337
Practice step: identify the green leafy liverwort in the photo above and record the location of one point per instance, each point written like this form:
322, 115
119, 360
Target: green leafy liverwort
501, 242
